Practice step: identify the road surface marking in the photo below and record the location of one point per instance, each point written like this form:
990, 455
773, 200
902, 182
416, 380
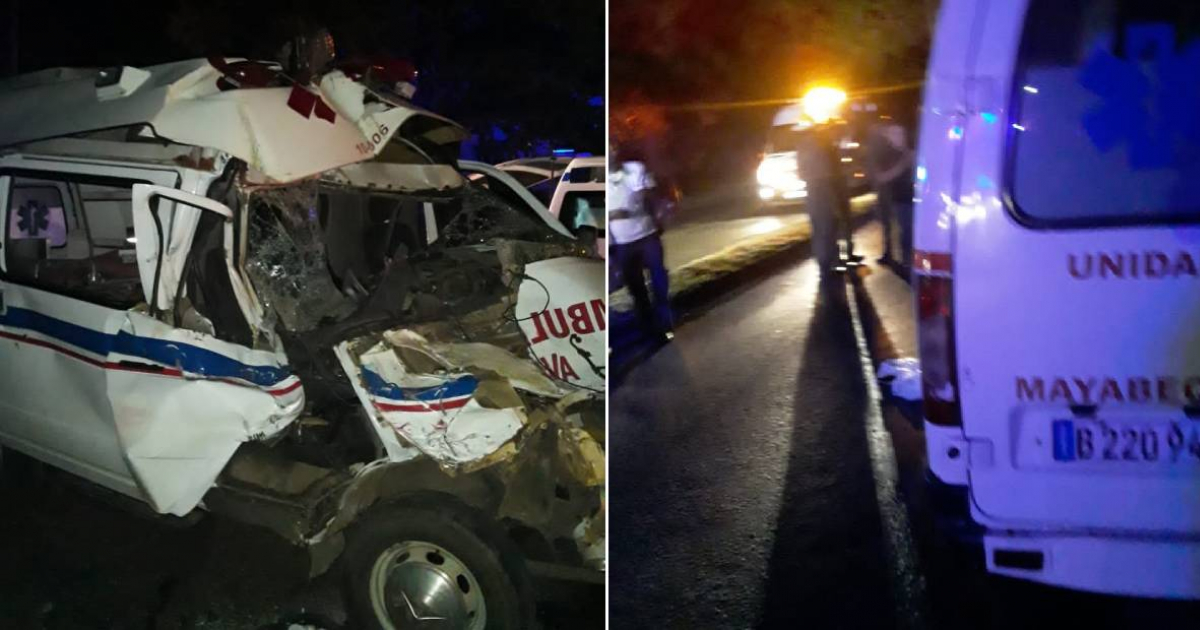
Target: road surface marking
908, 585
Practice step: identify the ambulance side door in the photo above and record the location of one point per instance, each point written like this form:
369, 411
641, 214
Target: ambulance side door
68, 277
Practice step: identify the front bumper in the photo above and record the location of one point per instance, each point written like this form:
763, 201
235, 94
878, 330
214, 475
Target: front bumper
773, 195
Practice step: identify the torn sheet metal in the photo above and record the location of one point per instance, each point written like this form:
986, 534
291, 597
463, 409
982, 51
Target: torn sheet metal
454, 402
406, 178
138, 406
561, 307
521, 373
339, 121
582, 456
179, 429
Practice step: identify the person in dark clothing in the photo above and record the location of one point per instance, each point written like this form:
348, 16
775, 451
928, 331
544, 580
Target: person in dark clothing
828, 200
889, 166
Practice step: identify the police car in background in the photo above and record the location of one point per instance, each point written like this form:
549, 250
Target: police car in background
539, 174
1056, 277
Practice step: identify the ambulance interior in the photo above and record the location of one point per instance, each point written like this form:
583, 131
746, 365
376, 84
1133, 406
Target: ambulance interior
75, 237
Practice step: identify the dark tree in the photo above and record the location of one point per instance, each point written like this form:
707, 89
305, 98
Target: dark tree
707, 75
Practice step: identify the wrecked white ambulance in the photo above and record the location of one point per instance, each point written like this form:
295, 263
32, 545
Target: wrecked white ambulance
284, 304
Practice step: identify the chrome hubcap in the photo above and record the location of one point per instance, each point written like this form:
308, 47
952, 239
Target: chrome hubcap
417, 584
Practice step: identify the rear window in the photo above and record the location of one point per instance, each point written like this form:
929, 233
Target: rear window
1106, 112
527, 178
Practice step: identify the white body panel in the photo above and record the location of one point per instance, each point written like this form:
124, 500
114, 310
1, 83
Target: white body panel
1032, 339
120, 398
565, 185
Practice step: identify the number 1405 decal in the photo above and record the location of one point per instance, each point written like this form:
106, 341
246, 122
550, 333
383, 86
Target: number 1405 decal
366, 148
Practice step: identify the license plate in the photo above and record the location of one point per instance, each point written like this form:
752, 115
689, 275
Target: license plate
1109, 441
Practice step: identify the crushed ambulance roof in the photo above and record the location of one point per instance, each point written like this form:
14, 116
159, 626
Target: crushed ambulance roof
346, 123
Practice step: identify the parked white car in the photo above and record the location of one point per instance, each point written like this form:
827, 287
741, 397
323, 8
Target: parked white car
1056, 276
578, 201
285, 304
539, 174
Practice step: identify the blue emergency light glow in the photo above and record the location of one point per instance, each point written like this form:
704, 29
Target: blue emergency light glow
563, 151
988, 117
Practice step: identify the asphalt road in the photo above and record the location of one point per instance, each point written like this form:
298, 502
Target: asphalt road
70, 560
692, 240
708, 222
758, 482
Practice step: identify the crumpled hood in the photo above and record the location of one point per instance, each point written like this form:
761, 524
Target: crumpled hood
467, 404
283, 133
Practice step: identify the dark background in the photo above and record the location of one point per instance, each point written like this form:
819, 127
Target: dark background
699, 80
525, 75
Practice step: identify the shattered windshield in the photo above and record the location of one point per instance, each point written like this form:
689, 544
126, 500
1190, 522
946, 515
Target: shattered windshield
480, 215
316, 252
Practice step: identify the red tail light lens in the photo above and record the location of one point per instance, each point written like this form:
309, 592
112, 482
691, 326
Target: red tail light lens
935, 322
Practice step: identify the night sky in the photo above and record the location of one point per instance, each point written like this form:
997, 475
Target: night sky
531, 68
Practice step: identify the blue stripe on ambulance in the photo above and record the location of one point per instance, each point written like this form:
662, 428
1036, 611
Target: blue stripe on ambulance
191, 359
463, 385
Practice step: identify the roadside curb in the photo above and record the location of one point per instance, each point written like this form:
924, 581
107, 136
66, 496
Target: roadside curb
705, 278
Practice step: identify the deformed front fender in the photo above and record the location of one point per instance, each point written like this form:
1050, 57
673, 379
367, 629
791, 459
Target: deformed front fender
391, 482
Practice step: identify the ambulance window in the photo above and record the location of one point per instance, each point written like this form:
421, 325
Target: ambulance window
1104, 126
583, 209
74, 237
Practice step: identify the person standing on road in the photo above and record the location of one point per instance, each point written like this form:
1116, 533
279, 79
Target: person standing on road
635, 229
827, 201
889, 162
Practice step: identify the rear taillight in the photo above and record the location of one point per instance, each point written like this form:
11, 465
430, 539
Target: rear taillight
935, 322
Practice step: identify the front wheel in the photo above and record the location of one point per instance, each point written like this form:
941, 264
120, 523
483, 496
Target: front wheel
423, 567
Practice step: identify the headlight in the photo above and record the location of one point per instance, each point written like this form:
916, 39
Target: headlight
779, 172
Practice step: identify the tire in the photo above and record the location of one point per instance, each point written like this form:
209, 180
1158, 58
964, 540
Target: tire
477, 580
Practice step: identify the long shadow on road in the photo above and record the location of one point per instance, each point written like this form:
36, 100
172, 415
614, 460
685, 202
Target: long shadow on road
828, 567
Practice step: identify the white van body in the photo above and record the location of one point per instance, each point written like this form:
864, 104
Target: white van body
215, 294
1056, 280
778, 175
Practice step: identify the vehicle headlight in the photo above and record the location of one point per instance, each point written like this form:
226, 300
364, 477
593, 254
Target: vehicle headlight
780, 173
